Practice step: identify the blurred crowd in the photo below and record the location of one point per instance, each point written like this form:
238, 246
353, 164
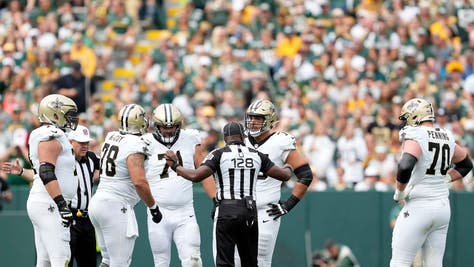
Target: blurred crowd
338, 71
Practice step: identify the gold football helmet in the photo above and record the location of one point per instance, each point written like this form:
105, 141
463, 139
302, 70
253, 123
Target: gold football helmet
167, 120
417, 110
261, 108
58, 110
132, 120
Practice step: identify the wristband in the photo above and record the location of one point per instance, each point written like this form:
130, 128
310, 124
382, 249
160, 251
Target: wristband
153, 207
21, 172
291, 202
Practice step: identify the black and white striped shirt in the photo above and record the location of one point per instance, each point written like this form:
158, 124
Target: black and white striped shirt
85, 168
236, 168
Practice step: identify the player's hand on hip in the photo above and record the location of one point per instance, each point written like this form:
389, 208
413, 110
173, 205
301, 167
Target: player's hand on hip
156, 215
277, 210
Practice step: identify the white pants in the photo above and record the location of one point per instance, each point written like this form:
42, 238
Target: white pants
51, 237
421, 224
178, 225
267, 236
116, 229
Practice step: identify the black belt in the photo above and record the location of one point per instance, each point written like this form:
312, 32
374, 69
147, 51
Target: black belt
78, 213
246, 202
231, 202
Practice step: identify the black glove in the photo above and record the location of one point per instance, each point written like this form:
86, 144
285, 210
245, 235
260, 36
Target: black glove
156, 214
214, 206
282, 208
64, 211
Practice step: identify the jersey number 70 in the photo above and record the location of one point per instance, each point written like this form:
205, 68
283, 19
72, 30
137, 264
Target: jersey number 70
445, 158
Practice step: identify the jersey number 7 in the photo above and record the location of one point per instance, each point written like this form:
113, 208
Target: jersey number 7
164, 173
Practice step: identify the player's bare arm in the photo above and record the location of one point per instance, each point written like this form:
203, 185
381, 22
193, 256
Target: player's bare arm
136, 168
208, 183
17, 169
48, 152
462, 162
282, 174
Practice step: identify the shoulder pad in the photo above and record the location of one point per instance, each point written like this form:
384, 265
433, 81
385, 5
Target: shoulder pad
192, 134
285, 140
410, 132
147, 139
48, 132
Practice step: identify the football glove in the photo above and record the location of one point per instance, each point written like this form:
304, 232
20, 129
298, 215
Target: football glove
277, 210
156, 215
401, 195
64, 211
283, 207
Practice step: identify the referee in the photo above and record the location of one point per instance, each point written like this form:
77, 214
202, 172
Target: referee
235, 168
82, 243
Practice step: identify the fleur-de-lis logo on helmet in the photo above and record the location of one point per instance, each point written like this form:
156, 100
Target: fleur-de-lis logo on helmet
58, 110
417, 110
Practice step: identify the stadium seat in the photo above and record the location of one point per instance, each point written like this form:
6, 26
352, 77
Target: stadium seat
155, 35
107, 85
142, 47
123, 73
172, 12
170, 23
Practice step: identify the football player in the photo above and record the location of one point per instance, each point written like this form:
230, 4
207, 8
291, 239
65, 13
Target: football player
174, 196
55, 180
123, 183
423, 172
280, 147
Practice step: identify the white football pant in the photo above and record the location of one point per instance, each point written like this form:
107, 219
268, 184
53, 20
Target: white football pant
178, 225
116, 228
421, 224
51, 237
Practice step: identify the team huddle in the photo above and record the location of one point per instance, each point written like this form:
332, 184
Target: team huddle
159, 167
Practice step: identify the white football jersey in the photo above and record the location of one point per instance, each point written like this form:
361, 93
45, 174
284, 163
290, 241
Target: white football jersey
65, 169
429, 173
114, 175
169, 189
277, 146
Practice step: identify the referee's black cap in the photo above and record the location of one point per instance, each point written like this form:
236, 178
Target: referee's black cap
233, 128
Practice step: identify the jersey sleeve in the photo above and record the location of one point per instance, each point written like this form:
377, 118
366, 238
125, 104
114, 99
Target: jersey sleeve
138, 145
266, 163
212, 160
48, 133
286, 143
412, 133
195, 136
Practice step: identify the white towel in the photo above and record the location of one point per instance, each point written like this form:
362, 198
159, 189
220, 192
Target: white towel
132, 226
